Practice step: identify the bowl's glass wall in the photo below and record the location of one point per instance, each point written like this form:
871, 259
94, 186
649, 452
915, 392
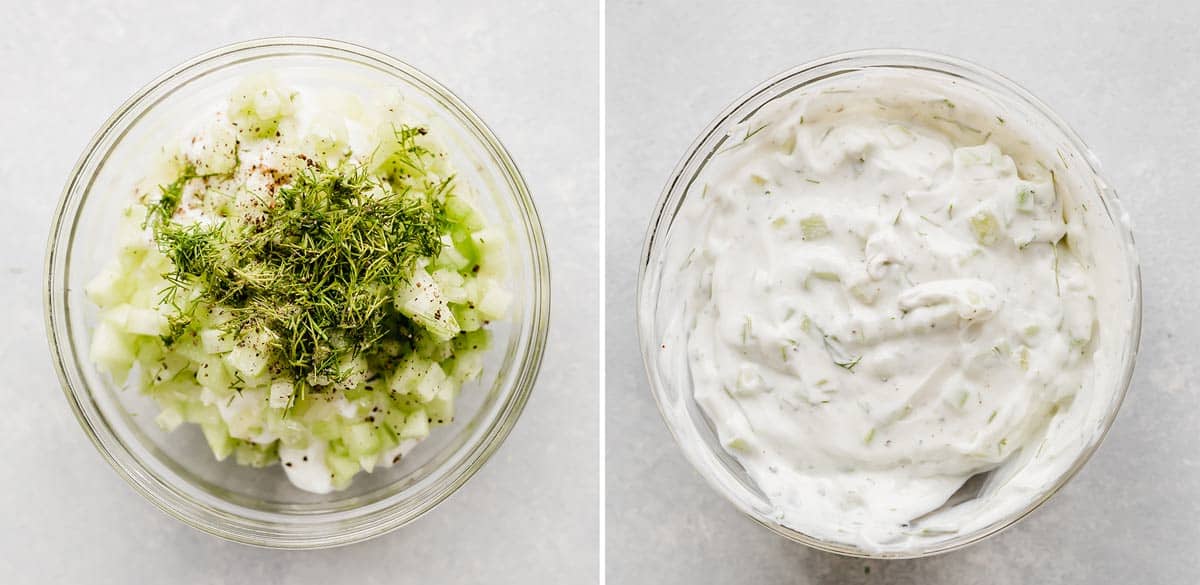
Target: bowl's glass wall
669, 376
176, 470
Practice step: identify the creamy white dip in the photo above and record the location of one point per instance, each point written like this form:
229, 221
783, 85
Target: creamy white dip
890, 288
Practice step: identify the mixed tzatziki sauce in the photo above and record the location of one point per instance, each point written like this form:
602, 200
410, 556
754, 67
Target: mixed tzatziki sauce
888, 289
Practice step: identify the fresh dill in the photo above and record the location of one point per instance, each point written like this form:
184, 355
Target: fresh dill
841, 358
750, 134
960, 125
169, 197
1057, 286
313, 274
848, 365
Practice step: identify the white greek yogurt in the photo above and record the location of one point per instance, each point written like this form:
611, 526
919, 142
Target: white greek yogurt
888, 289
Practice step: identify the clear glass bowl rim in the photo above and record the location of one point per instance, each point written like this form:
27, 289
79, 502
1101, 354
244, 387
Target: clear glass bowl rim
343, 527
689, 165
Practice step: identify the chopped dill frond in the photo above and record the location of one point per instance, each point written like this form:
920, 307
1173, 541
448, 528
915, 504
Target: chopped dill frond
169, 197
848, 365
315, 275
750, 134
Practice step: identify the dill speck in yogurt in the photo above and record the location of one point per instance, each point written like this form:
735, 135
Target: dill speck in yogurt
304, 278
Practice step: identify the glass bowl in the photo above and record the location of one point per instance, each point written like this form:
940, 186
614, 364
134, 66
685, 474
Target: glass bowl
175, 470
670, 380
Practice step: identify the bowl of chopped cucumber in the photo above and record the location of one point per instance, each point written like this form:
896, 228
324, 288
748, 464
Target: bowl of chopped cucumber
296, 292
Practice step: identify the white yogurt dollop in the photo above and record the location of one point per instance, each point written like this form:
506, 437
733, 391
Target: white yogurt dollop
887, 291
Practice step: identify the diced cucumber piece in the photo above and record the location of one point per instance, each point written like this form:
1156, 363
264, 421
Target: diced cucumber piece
281, 393
342, 467
144, 296
460, 211
451, 285
421, 300
495, 301
493, 254
211, 374
388, 439
441, 408
451, 258
146, 322
430, 383
737, 443
395, 418
117, 316
112, 350
326, 429
244, 416
255, 455
467, 366
258, 105
416, 426
813, 227
361, 440
1026, 198
473, 290
291, 432
201, 414
357, 394
108, 288
434, 349
181, 389
218, 316
169, 419
168, 367
327, 137
407, 374
464, 244
219, 151
131, 255
147, 352
468, 319
247, 360
133, 246
216, 341
188, 346
472, 341
218, 439
338, 447
986, 228
352, 373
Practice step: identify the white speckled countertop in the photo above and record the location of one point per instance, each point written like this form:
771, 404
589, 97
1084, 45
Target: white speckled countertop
530, 69
1125, 76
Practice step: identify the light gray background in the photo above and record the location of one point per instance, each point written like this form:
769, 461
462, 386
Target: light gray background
530, 69
1127, 79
